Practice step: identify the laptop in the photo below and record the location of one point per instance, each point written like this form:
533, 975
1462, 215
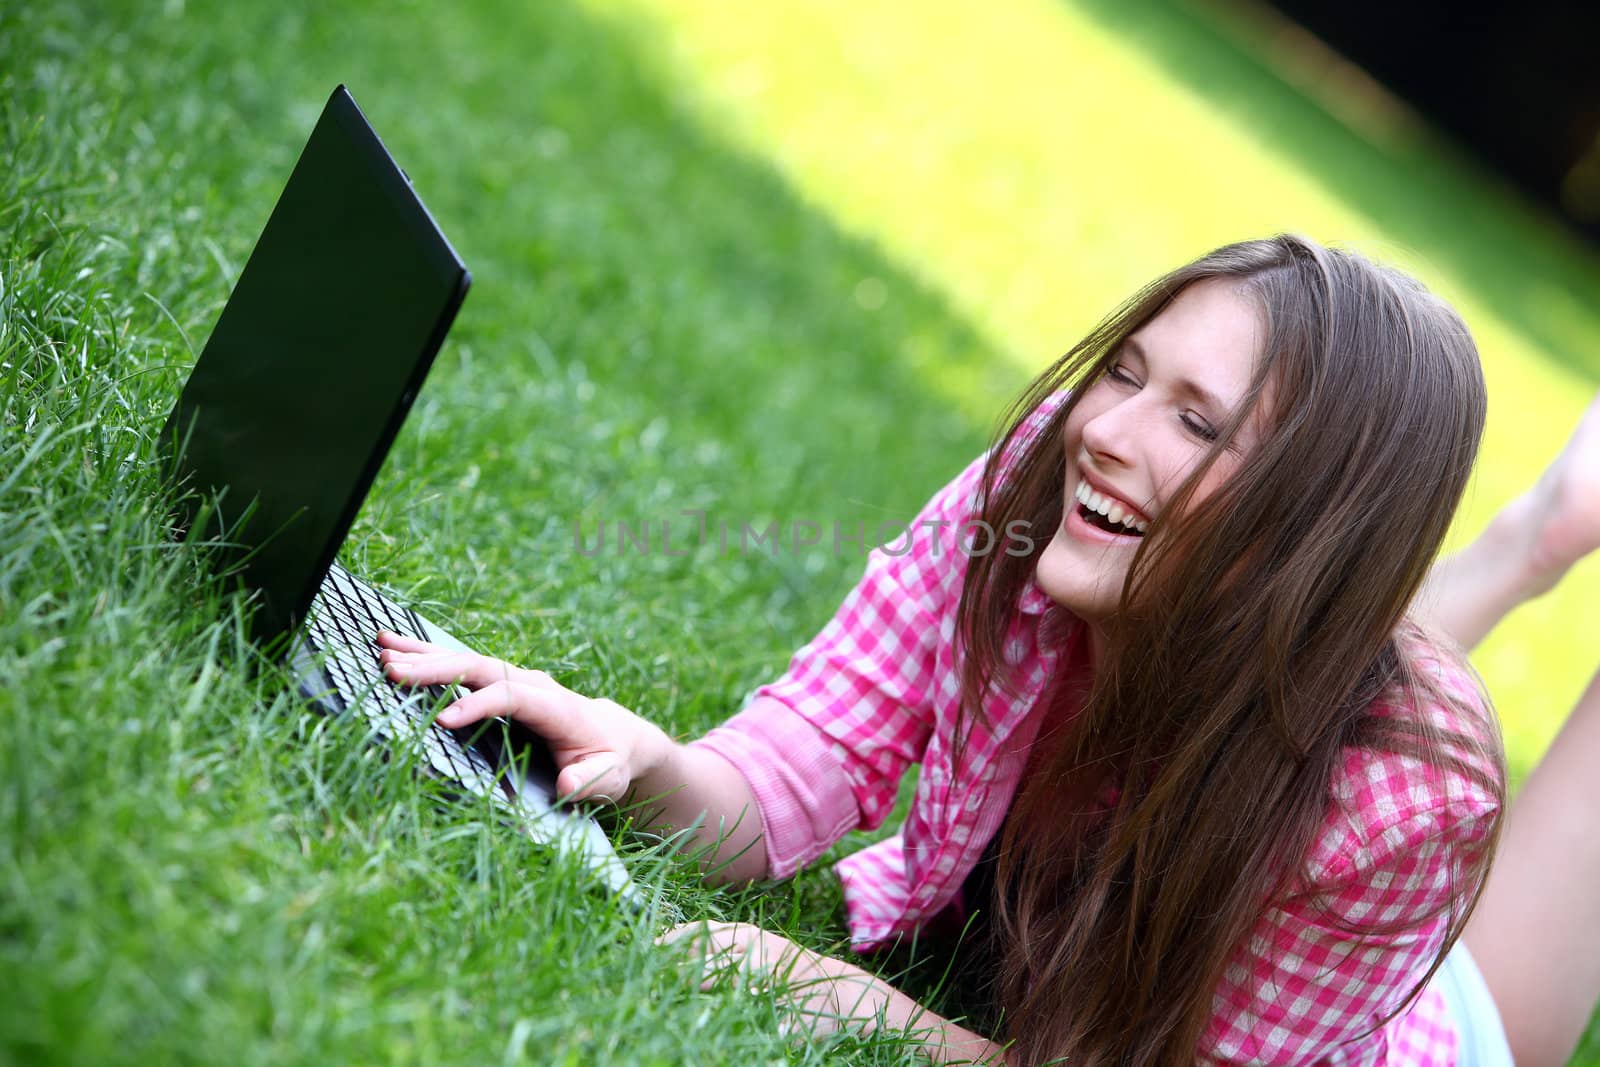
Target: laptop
286, 419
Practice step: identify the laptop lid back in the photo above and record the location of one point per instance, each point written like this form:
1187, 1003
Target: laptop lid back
314, 362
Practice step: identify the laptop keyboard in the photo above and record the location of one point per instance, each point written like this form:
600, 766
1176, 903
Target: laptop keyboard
345, 616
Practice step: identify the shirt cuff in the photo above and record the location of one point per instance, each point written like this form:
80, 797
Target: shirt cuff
800, 787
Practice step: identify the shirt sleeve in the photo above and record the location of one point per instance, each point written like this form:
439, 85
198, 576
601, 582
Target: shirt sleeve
824, 747
1308, 987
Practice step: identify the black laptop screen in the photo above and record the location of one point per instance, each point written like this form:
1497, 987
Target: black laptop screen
312, 366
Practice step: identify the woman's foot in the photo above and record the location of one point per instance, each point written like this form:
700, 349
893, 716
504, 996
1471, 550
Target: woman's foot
1525, 549
1562, 510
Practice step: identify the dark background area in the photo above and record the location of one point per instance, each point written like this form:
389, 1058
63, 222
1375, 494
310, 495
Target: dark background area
1517, 84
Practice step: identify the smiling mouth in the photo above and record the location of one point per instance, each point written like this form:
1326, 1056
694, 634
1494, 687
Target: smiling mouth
1106, 514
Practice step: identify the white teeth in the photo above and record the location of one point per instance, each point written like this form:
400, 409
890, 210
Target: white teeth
1111, 509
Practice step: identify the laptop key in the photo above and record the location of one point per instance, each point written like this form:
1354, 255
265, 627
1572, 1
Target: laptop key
344, 618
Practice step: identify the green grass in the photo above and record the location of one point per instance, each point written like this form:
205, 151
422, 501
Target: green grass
192, 869
196, 870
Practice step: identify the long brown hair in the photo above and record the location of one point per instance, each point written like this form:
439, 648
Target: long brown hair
1254, 641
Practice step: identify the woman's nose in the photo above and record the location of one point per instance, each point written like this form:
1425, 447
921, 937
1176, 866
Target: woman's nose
1109, 435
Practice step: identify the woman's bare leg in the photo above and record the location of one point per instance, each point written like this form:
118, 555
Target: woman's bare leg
1536, 931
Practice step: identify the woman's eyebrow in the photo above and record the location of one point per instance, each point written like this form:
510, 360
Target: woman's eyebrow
1205, 396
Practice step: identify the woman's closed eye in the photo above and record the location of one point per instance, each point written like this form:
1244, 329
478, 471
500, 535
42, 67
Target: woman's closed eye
1192, 421
1198, 426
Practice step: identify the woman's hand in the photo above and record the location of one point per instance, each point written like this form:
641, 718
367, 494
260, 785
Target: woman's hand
600, 748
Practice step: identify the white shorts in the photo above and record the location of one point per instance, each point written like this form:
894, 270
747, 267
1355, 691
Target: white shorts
1472, 1009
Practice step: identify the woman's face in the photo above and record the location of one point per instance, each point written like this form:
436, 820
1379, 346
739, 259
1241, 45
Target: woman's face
1139, 431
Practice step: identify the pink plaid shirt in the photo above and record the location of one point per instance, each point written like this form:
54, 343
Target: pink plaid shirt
824, 747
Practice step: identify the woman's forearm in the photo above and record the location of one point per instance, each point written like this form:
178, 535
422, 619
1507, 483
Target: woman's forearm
862, 1001
941, 1040
690, 788
820, 994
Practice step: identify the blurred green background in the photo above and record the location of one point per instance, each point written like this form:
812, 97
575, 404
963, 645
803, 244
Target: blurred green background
1034, 161
782, 262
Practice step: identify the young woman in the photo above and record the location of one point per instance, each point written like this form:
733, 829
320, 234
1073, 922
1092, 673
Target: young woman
1219, 795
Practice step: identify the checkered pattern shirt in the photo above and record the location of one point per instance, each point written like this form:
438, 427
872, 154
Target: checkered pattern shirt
824, 747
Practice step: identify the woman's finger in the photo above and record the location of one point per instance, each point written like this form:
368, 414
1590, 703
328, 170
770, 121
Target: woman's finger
554, 714
402, 643
596, 777
500, 698
467, 668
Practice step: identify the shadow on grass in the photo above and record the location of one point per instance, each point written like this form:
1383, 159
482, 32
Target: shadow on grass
1517, 261
657, 321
